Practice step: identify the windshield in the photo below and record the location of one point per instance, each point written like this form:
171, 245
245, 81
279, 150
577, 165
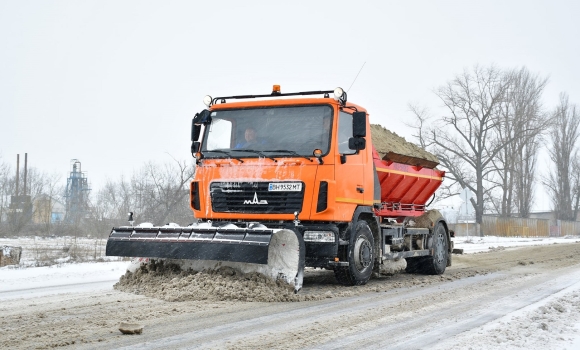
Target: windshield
271, 132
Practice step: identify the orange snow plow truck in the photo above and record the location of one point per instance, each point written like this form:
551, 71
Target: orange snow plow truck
294, 180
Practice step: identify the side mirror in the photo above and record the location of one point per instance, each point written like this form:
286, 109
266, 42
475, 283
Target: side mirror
203, 117
195, 131
357, 143
359, 124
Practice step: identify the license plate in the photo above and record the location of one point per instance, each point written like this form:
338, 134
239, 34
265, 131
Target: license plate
285, 186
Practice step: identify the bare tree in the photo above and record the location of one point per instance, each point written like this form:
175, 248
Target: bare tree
465, 139
114, 201
526, 176
576, 186
564, 136
156, 193
5, 191
521, 124
168, 192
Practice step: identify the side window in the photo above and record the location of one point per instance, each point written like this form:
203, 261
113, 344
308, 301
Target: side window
219, 134
344, 133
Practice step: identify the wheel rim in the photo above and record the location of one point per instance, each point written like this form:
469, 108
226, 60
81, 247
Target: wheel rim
363, 253
439, 255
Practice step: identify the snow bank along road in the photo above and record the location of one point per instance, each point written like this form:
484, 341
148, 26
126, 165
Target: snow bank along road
525, 297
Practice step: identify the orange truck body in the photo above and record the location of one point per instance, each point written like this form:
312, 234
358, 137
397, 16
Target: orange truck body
404, 189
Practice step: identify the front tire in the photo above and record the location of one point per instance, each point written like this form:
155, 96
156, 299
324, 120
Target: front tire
360, 258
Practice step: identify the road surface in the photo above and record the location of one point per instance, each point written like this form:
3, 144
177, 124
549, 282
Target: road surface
402, 311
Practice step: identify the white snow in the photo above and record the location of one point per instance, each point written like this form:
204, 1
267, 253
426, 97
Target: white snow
6, 250
63, 278
473, 244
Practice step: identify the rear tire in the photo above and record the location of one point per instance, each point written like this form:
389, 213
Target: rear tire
436, 264
360, 258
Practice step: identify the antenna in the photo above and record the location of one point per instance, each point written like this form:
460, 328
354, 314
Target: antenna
361, 68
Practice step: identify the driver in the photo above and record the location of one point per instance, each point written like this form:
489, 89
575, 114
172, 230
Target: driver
251, 138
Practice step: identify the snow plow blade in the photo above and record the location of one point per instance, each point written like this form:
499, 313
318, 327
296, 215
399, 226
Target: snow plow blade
275, 253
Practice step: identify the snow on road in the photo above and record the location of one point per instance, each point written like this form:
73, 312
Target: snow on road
553, 322
527, 327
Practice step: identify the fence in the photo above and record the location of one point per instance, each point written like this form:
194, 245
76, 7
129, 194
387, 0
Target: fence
464, 229
518, 227
515, 227
565, 228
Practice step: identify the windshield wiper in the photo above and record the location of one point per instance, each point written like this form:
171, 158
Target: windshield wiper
257, 152
291, 152
226, 153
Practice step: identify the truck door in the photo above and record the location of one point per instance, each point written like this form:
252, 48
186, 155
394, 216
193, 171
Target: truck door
350, 186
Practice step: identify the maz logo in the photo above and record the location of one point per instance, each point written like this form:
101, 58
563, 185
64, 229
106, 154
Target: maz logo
255, 200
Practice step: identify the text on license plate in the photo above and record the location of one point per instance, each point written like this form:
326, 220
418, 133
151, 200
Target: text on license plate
285, 186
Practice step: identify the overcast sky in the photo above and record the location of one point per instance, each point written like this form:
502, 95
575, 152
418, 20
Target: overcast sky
116, 83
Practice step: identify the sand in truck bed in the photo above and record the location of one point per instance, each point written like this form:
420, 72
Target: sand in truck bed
391, 146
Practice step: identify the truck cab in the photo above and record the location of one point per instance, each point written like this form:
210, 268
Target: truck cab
296, 149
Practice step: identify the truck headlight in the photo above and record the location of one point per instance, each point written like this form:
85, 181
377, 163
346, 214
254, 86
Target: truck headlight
207, 100
338, 93
319, 236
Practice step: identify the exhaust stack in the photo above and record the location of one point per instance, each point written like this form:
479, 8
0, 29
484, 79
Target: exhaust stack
17, 173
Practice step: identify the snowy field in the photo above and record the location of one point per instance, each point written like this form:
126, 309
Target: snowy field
62, 278
49, 251
58, 265
473, 244
525, 328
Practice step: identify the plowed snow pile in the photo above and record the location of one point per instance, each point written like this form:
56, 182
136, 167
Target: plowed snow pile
386, 141
168, 282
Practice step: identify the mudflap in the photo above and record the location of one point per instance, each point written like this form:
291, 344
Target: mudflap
278, 254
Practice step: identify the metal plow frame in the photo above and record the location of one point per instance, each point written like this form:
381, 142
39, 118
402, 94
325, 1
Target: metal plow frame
228, 243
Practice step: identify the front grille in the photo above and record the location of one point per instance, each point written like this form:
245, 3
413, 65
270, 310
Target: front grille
253, 197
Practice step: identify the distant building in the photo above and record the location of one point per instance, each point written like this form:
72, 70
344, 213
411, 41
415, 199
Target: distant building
47, 210
549, 215
77, 193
